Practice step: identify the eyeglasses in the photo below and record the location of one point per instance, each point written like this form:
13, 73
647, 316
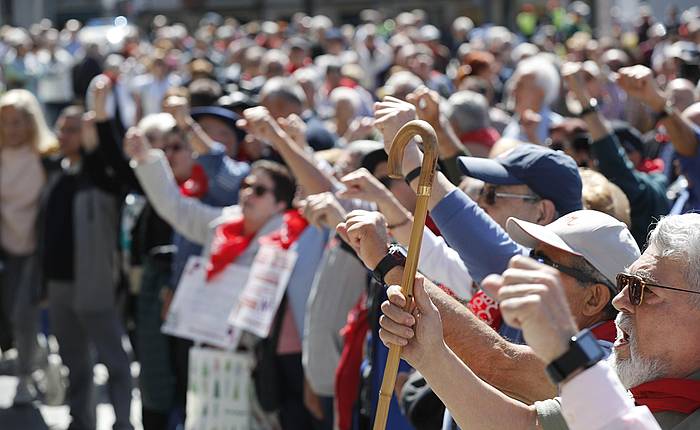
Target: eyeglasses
636, 286
489, 194
577, 274
258, 190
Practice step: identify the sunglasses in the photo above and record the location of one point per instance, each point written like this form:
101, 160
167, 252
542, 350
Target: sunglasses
636, 286
577, 274
489, 195
258, 190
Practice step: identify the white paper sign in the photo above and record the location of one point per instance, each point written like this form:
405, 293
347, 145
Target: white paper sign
200, 310
262, 295
218, 390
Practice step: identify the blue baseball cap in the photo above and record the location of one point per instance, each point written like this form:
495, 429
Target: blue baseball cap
550, 174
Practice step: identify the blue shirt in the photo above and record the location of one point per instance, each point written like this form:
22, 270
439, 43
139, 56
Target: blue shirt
483, 245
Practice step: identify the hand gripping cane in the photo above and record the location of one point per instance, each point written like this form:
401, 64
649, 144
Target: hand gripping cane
425, 183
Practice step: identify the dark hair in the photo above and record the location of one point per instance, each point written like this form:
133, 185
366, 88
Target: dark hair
204, 92
285, 185
71, 111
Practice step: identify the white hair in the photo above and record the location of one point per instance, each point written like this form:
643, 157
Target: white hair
158, 122
677, 237
346, 94
523, 51
635, 369
546, 75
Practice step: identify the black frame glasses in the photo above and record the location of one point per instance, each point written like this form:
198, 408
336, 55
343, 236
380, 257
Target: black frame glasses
489, 194
577, 274
258, 190
636, 285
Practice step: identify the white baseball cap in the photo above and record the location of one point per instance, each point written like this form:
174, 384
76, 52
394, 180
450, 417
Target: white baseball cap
600, 239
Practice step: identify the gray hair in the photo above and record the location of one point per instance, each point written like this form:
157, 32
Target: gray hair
286, 88
546, 75
677, 237
468, 111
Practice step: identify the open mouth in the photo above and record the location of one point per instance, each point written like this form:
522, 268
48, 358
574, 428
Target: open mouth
622, 339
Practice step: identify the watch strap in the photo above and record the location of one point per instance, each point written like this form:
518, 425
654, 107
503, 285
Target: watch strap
394, 257
584, 351
413, 174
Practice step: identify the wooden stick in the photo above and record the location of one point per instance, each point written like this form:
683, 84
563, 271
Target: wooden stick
425, 183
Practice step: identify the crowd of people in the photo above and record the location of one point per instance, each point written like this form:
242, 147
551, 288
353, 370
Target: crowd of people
559, 267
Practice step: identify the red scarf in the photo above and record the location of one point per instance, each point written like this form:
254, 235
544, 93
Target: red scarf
605, 331
293, 226
347, 374
230, 242
486, 136
486, 309
197, 185
669, 395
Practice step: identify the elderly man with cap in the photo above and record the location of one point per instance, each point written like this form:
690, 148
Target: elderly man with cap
589, 247
533, 183
655, 360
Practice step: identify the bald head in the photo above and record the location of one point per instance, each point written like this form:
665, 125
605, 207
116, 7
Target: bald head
681, 93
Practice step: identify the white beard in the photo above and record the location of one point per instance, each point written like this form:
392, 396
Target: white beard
635, 370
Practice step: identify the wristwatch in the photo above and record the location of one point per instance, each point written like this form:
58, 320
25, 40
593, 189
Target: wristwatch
396, 256
584, 351
592, 107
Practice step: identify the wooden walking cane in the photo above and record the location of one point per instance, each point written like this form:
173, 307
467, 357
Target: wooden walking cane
425, 183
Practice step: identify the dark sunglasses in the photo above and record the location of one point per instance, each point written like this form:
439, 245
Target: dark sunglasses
258, 190
636, 286
577, 274
489, 195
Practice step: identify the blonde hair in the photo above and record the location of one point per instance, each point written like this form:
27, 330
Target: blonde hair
600, 194
42, 140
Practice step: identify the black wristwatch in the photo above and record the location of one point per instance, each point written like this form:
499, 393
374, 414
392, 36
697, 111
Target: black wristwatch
584, 351
396, 256
592, 107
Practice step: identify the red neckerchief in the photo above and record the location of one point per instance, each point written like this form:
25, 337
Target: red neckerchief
432, 226
230, 242
669, 395
197, 184
651, 165
606, 330
486, 309
293, 226
486, 136
347, 374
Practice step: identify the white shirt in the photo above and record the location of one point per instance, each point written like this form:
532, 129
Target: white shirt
596, 400
443, 265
